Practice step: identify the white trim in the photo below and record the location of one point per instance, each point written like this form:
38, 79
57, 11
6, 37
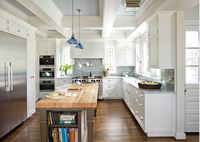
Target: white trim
180, 136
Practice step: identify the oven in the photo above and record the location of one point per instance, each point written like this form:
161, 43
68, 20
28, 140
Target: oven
46, 60
47, 85
47, 73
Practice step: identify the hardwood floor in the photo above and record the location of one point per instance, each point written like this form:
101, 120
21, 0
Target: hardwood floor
113, 122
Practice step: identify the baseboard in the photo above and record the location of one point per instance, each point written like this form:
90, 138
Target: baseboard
30, 113
180, 136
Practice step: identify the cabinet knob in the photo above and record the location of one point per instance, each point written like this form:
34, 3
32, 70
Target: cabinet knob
137, 112
141, 117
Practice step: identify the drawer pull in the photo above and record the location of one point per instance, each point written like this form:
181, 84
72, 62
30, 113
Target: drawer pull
137, 112
141, 105
141, 117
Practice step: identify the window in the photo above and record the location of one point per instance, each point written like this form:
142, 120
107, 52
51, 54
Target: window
109, 59
64, 57
138, 51
192, 53
142, 59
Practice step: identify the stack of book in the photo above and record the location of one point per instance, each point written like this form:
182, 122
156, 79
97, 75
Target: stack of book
63, 135
68, 118
62, 118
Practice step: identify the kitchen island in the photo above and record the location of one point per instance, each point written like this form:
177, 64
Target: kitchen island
82, 104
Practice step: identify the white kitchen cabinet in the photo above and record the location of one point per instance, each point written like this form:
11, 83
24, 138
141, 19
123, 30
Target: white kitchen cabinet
47, 47
3, 23
155, 112
17, 29
162, 40
62, 81
31, 76
112, 88
125, 54
91, 50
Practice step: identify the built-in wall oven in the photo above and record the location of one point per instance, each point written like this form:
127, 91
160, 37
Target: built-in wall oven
47, 85
47, 73
47, 60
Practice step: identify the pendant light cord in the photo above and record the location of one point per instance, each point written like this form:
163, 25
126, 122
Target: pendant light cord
72, 17
79, 10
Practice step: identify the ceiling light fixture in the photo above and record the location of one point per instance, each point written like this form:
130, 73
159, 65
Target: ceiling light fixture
79, 45
72, 40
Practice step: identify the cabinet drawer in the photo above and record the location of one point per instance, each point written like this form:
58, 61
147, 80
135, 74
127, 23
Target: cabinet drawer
108, 87
139, 115
109, 81
108, 94
139, 103
16, 29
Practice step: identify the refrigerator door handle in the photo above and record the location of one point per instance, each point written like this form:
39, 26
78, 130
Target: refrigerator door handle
11, 77
7, 77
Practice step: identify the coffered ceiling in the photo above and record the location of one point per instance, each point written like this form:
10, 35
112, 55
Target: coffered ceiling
99, 18
88, 7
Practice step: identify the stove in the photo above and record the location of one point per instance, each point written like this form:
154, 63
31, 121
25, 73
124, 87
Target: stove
88, 79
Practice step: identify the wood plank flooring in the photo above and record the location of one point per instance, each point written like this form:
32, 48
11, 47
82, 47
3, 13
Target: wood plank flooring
113, 123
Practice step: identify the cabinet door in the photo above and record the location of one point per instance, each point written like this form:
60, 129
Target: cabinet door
98, 49
3, 24
17, 30
47, 47
125, 57
31, 82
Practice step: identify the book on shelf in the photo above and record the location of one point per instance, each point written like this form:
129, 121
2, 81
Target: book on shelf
63, 134
61, 118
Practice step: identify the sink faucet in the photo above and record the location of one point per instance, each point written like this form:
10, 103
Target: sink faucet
90, 74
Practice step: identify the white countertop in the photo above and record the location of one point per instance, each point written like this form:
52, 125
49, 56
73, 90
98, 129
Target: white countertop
112, 76
134, 81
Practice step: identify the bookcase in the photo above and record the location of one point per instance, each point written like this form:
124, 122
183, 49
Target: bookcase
64, 125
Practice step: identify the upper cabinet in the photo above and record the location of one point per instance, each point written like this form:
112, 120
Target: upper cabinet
125, 53
92, 49
162, 40
47, 47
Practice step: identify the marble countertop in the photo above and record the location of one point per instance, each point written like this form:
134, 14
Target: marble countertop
134, 81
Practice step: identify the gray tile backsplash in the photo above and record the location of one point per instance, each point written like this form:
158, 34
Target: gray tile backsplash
95, 67
121, 69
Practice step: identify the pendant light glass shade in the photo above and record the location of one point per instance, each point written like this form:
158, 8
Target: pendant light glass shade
72, 40
79, 45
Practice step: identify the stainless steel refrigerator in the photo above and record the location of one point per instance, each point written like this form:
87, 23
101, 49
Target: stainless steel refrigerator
13, 95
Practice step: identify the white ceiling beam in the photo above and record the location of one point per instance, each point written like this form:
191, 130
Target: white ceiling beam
110, 9
47, 11
86, 22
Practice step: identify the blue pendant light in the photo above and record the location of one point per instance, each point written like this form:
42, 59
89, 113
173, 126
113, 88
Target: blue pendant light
79, 45
72, 40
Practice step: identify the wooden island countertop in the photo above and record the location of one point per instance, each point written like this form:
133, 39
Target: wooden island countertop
85, 100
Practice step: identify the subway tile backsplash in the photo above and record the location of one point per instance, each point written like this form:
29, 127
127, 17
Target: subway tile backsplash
83, 67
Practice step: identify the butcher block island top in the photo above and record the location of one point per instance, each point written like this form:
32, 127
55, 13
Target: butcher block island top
86, 98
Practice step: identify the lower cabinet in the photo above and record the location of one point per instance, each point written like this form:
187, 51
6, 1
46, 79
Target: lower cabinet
112, 88
155, 113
